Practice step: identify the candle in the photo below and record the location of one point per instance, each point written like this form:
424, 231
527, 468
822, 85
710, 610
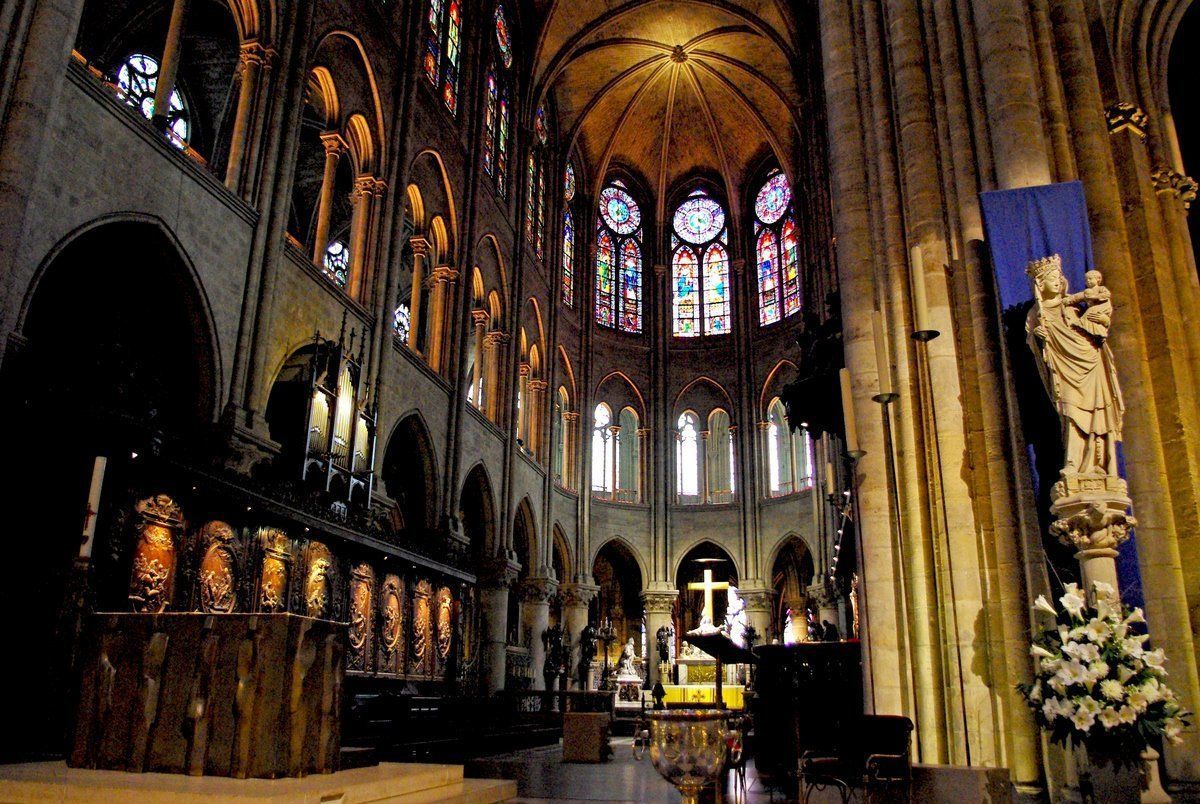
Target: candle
93, 507
830, 482
882, 364
848, 412
920, 299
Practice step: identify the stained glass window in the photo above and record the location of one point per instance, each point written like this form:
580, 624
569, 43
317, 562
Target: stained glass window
137, 81
539, 242
687, 293
337, 263
540, 126
687, 456
503, 37
569, 182
716, 290
605, 281
443, 47
777, 250
619, 286
568, 255
401, 322
502, 145
490, 112
700, 270
531, 199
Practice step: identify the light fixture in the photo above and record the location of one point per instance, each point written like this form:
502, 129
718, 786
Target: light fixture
133, 456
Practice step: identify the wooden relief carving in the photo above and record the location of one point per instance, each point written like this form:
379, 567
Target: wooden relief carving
391, 631
362, 590
276, 563
445, 619
153, 579
218, 569
318, 582
421, 622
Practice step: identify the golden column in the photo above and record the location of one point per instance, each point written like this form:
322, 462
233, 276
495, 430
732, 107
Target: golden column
479, 320
362, 200
703, 473
537, 397
523, 405
570, 435
420, 250
493, 344
334, 147
443, 278
251, 60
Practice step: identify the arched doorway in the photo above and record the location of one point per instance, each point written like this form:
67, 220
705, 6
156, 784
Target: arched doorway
619, 601
115, 360
791, 575
477, 512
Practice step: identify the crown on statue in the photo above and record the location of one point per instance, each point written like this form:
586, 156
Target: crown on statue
1039, 268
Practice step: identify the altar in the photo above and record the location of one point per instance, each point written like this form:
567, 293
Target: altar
732, 695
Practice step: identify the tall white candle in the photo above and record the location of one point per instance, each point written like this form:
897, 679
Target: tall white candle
882, 363
93, 507
848, 411
920, 298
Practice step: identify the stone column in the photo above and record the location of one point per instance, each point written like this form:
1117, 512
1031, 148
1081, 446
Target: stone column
522, 423
251, 61
493, 344
443, 278
764, 451
645, 465
168, 65
570, 438
479, 320
535, 617
575, 600
758, 611
703, 473
493, 601
335, 146
362, 201
420, 250
533, 430
827, 604
658, 613
614, 431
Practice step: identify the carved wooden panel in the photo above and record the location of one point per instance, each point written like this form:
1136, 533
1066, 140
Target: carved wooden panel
362, 617
421, 663
218, 575
276, 570
319, 575
391, 625
152, 581
444, 628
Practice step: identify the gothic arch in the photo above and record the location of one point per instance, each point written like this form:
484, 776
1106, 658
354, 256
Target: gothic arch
568, 372
621, 393
561, 558
703, 395
680, 552
624, 544
477, 510
358, 94
409, 472
776, 547
428, 171
773, 385
529, 553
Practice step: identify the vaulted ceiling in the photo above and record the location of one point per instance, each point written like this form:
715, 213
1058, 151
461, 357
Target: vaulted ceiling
672, 87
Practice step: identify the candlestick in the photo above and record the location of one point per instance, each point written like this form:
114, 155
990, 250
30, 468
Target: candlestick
93, 507
848, 413
923, 331
883, 365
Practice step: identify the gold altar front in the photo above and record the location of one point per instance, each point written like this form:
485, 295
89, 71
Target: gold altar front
734, 695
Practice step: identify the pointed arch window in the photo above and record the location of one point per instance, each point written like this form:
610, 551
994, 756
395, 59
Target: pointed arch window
789, 454
401, 322
628, 457
719, 460
777, 248
687, 458
443, 47
619, 260
336, 264
700, 267
604, 450
568, 240
497, 105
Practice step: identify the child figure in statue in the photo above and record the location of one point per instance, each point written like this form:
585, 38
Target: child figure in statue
1096, 303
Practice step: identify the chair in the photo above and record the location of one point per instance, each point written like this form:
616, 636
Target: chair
873, 754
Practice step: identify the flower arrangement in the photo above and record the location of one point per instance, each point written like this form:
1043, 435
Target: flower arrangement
1096, 684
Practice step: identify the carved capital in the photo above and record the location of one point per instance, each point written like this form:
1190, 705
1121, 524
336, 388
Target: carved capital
537, 386
334, 144
538, 590
760, 600
571, 416
495, 339
658, 602
444, 273
480, 318
499, 573
419, 245
524, 369
1123, 115
1092, 512
253, 53
643, 432
160, 509
366, 186
577, 594
1169, 181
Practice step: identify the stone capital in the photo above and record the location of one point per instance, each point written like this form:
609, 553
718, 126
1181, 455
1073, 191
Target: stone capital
499, 573
577, 594
334, 144
643, 432
254, 53
658, 602
1123, 115
537, 386
1169, 181
1091, 512
495, 339
443, 273
524, 369
419, 245
480, 318
757, 599
537, 590
571, 416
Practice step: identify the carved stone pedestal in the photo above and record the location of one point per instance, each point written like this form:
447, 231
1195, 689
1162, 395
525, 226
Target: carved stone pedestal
1091, 515
242, 695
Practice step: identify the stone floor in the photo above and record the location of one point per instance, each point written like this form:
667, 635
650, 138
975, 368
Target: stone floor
541, 776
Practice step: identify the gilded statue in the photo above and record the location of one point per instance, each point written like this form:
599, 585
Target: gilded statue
445, 635
392, 616
151, 583
316, 588
277, 556
361, 582
1068, 334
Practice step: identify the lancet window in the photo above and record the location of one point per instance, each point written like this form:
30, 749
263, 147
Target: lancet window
777, 251
443, 49
619, 260
700, 268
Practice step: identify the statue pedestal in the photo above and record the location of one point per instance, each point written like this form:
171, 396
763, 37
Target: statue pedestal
1091, 515
629, 692
242, 695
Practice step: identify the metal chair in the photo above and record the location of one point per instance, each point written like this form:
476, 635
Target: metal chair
873, 755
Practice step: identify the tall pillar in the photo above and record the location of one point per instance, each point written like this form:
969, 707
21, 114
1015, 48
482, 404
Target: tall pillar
443, 278
703, 473
335, 146
493, 345
537, 399
522, 423
493, 600
168, 65
420, 250
657, 606
758, 611
570, 440
535, 618
614, 431
362, 201
251, 60
644, 463
575, 600
479, 320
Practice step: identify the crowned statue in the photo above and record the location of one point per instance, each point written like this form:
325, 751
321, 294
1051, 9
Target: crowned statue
1068, 334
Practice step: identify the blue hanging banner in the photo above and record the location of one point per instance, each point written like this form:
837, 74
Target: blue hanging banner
1025, 225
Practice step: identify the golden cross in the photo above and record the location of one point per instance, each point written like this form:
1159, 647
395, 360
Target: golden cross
708, 586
